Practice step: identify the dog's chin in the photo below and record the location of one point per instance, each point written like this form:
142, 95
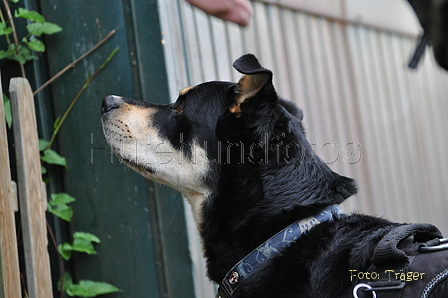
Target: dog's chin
142, 170
146, 171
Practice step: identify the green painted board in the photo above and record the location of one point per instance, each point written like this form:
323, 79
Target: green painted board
144, 249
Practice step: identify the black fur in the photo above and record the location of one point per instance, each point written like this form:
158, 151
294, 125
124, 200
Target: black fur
264, 176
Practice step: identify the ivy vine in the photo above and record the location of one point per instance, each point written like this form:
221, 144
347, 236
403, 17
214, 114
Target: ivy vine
21, 51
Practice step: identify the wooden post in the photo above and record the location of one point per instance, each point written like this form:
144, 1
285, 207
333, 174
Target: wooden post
9, 258
31, 197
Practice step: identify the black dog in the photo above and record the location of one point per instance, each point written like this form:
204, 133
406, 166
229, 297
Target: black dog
238, 153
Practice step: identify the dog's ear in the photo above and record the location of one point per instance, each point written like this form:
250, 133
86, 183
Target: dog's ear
254, 78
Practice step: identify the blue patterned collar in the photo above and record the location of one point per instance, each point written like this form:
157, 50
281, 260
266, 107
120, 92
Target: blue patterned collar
250, 263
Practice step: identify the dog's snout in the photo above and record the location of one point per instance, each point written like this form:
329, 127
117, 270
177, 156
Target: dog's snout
111, 102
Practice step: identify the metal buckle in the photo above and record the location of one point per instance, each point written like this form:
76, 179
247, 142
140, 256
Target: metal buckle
398, 287
221, 293
361, 285
443, 245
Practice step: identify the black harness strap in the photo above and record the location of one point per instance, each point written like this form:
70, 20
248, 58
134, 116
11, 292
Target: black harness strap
408, 262
387, 251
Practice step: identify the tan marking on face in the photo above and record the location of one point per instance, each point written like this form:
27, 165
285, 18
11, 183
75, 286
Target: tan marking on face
185, 90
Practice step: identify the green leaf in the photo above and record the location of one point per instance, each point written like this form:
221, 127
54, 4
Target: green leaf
32, 15
22, 56
81, 245
36, 45
5, 30
25, 53
15, 1
58, 206
86, 236
7, 108
43, 170
38, 29
5, 54
82, 242
88, 288
8, 54
52, 157
65, 249
67, 281
61, 198
42, 144
62, 211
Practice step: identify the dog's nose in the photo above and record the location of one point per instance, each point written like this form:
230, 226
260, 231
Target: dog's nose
110, 102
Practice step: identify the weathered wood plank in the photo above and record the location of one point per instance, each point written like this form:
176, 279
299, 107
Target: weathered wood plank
9, 258
31, 197
14, 197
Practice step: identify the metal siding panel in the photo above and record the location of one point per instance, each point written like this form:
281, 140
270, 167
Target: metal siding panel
235, 46
250, 42
417, 203
173, 40
387, 15
394, 14
403, 133
277, 42
293, 56
311, 114
428, 159
322, 7
222, 57
416, 95
365, 97
191, 50
347, 112
441, 108
428, 109
325, 146
361, 120
264, 49
392, 122
205, 44
324, 134
331, 100
381, 114
422, 127
407, 127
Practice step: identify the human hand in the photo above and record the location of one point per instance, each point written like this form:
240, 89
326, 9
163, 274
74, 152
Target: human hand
237, 11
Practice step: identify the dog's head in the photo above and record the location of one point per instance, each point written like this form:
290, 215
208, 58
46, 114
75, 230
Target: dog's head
237, 138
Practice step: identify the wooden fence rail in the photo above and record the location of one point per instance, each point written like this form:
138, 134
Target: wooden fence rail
32, 201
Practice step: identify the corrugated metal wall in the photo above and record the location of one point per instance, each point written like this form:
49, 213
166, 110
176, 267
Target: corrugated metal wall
366, 113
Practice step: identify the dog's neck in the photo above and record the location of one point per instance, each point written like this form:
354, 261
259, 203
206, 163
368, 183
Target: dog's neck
236, 219
272, 247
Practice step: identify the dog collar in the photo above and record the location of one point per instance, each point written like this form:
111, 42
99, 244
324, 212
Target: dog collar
274, 245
